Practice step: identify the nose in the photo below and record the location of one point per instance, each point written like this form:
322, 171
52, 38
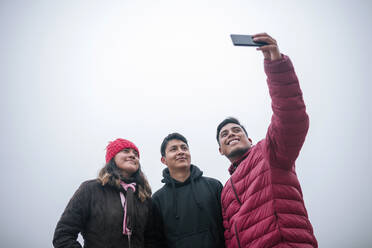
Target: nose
132, 154
180, 151
230, 134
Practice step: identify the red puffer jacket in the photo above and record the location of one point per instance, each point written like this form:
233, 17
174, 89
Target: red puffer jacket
262, 202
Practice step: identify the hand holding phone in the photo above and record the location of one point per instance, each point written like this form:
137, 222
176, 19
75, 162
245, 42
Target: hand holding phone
264, 43
245, 40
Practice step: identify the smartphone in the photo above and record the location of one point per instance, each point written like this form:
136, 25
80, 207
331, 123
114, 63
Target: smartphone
245, 40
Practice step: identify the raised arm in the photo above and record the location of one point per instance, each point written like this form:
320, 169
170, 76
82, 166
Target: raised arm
289, 122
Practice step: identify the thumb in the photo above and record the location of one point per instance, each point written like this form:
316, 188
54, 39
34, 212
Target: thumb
266, 54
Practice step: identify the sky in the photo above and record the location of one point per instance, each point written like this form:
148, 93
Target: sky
77, 74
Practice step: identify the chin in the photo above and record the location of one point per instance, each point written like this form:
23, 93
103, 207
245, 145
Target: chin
238, 152
131, 169
185, 165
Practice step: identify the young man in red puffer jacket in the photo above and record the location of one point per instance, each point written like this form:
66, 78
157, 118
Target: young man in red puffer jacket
262, 202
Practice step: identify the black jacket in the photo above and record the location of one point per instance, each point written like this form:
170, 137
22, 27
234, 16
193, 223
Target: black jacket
96, 212
189, 214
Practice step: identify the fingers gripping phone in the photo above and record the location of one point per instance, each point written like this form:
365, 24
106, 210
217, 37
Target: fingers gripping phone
245, 40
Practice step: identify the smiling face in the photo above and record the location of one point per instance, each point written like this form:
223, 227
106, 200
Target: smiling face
127, 161
177, 155
233, 141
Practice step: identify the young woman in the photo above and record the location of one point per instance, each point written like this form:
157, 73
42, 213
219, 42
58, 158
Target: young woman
112, 210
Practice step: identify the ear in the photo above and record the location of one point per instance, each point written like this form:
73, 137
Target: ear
250, 141
163, 160
221, 152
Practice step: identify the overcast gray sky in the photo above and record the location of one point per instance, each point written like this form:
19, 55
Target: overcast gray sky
77, 74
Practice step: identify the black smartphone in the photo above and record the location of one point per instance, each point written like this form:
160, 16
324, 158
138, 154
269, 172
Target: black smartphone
245, 40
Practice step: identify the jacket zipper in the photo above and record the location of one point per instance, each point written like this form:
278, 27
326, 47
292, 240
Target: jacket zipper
236, 194
240, 203
236, 234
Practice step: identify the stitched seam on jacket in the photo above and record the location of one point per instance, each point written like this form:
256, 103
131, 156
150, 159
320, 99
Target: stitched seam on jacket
277, 83
286, 97
271, 199
255, 179
259, 221
279, 167
270, 184
296, 228
274, 215
292, 134
282, 227
297, 126
292, 243
262, 236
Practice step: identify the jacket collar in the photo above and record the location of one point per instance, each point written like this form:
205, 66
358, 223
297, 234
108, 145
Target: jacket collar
195, 173
236, 163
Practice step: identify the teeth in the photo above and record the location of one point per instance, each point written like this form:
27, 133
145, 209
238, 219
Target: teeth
233, 142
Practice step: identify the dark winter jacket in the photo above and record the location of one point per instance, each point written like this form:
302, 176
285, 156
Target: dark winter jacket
188, 214
262, 202
96, 212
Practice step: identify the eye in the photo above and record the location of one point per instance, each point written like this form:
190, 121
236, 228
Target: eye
172, 148
223, 134
236, 130
185, 148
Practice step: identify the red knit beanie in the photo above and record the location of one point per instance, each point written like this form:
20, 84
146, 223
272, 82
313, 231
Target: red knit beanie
116, 146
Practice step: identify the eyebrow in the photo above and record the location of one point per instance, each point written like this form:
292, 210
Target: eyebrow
232, 128
223, 131
128, 149
174, 146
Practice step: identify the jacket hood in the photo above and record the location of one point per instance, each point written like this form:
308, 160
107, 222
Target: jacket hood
195, 173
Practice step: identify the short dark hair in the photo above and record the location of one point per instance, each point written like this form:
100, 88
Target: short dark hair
227, 121
170, 137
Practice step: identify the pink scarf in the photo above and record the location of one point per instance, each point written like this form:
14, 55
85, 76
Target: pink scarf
126, 230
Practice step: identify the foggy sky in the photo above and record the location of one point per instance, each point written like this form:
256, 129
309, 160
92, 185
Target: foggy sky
77, 74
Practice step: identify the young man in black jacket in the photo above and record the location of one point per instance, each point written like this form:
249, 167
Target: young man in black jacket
187, 209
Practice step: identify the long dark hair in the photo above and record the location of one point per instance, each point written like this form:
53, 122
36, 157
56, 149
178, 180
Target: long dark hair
137, 211
110, 174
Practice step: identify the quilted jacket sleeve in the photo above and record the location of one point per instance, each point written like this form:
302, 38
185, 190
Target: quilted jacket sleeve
72, 220
289, 123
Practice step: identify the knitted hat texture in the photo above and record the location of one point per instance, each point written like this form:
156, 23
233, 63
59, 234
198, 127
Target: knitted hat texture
118, 145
